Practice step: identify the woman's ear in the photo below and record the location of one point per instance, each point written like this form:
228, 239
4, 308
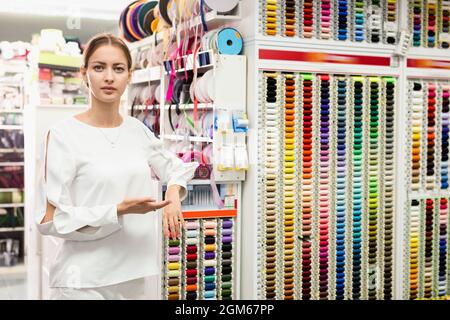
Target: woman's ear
130, 72
83, 72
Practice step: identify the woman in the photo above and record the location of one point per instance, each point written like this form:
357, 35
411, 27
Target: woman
96, 183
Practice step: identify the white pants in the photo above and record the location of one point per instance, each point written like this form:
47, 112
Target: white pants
129, 290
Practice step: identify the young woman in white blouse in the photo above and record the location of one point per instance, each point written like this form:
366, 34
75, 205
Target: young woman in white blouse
95, 188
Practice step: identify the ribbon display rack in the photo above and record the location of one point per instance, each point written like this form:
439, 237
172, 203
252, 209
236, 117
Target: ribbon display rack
196, 105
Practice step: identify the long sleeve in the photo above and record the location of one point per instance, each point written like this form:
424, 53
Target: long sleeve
70, 222
168, 167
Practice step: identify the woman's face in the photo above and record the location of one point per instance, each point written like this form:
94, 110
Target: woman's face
107, 73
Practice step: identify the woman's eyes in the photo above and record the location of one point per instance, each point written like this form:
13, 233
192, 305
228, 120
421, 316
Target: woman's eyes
117, 69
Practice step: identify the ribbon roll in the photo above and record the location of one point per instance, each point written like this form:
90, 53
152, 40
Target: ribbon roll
229, 41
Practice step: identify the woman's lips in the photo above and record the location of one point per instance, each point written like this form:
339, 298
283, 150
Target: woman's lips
108, 90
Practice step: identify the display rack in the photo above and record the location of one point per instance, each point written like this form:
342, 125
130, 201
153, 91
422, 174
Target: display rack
213, 233
38, 117
269, 273
11, 160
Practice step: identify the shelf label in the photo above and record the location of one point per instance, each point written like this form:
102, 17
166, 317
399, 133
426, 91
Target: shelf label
267, 54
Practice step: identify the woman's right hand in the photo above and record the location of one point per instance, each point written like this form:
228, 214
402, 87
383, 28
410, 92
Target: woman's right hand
140, 205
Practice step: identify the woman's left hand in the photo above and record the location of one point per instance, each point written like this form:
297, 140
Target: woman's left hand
172, 216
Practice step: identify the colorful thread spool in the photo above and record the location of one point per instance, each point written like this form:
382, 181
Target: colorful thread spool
443, 234
359, 21
357, 185
375, 21
389, 160
417, 101
270, 181
191, 241
414, 249
342, 16
428, 257
306, 192
209, 263
444, 27
373, 179
445, 135
308, 19
342, 163
324, 178
288, 184
290, 18
326, 23
391, 22
271, 20
431, 138
226, 254
172, 269
430, 22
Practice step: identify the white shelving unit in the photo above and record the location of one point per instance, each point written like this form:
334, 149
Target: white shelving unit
11, 205
12, 229
11, 127
277, 53
5, 164
11, 150
13, 75
38, 118
10, 189
11, 111
229, 72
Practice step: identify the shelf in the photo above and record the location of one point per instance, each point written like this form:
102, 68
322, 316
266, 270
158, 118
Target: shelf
199, 182
11, 111
181, 138
200, 106
12, 205
14, 66
190, 106
212, 20
17, 269
429, 194
10, 84
11, 150
11, 127
206, 182
7, 164
142, 107
146, 75
189, 61
219, 213
328, 46
11, 229
10, 189
429, 53
56, 61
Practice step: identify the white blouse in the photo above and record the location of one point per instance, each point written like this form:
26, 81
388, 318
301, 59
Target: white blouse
86, 178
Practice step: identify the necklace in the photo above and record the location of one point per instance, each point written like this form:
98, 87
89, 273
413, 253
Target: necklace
114, 141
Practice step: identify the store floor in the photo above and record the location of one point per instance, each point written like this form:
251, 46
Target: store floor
13, 283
